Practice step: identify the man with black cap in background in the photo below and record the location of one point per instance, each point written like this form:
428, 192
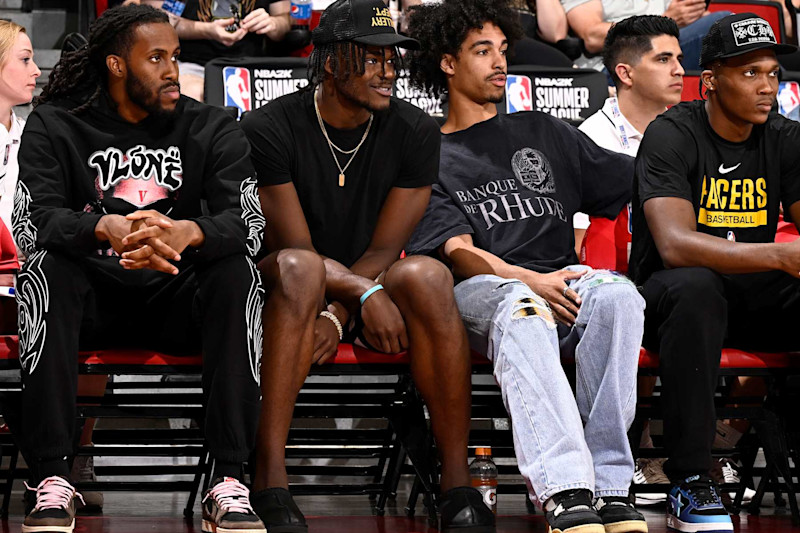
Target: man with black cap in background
345, 173
710, 180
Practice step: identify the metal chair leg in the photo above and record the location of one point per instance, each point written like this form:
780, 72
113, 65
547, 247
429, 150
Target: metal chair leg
413, 497
12, 474
202, 461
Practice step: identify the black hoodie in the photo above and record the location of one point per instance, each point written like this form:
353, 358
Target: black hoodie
76, 168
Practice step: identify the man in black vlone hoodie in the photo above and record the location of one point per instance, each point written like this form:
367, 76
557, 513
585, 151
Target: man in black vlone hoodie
138, 212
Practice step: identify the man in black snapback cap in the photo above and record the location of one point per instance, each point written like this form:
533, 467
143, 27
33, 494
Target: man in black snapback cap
709, 183
360, 21
345, 171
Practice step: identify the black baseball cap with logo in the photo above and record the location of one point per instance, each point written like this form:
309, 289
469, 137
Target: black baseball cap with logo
739, 34
363, 21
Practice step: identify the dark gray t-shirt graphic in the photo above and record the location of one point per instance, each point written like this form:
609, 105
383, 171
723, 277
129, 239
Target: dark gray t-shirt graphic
514, 182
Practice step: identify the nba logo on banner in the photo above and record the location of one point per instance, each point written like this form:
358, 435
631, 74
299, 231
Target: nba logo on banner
519, 94
237, 88
789, 99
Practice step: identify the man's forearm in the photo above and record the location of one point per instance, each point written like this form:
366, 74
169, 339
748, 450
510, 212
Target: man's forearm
593, 39
196, 236
189, 29
282, 26
696, 249
468, 260
344, 286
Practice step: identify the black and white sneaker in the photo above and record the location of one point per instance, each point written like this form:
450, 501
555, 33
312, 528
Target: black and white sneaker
619, 515
227, 509
54, 511
572, 511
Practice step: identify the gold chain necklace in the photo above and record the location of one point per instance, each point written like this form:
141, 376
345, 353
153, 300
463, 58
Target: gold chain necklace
331, 146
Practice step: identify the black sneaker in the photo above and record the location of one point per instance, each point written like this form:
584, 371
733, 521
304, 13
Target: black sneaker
462, 510
54, 511
226, 509
572, 512
619, 515
278, 511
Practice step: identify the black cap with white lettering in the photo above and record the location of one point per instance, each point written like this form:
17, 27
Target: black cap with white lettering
739, 34
363, 21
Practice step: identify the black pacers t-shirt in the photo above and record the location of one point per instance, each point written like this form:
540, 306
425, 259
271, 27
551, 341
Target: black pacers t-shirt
514, 182
735, 188
401, 150
201, 51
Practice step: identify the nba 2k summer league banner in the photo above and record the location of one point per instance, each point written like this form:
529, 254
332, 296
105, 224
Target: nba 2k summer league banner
249, 83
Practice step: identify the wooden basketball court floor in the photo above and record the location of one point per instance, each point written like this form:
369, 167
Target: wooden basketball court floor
162, 513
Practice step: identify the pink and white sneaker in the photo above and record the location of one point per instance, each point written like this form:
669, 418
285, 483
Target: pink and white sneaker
54, 511
226, 509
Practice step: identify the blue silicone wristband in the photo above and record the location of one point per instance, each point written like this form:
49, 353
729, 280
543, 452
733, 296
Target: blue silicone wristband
369, 293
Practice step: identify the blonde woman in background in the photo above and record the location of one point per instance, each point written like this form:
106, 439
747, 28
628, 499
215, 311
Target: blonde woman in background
18, 75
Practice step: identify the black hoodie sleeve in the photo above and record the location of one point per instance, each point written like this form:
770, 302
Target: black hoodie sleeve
235, 223
42, 218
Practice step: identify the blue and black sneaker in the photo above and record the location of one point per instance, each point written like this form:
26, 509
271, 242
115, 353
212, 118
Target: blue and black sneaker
695, 506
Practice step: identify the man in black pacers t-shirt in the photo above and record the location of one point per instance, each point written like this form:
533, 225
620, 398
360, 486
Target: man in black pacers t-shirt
710, 180
345, 171
501, 216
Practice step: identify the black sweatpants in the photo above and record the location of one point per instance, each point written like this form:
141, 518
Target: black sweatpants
66, 304
692, 313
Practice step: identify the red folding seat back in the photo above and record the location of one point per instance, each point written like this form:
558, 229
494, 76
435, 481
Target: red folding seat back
606, 244
8, 250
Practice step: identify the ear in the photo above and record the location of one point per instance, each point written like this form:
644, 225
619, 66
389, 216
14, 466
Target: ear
624, 73
447, 64
116, 66
328, 69
709, 80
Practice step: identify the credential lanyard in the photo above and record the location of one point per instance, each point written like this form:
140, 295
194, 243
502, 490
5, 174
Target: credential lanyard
623, 137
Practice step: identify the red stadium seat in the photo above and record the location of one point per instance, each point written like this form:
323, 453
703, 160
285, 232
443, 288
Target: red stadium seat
787, 232
606, 242
691, 86
8, 250
734, 359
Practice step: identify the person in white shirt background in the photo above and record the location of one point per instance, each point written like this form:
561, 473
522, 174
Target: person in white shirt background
18, 74
643, 57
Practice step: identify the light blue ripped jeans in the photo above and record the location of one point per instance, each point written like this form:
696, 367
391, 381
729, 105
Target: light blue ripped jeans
561, 444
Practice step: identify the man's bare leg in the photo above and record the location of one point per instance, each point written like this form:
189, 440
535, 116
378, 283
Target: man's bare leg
295, 286
422, 289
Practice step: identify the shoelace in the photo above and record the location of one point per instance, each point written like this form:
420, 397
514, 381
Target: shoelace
650, 472
729, 473
703, 494
54, 493
231, 496
575, 500
612, 501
